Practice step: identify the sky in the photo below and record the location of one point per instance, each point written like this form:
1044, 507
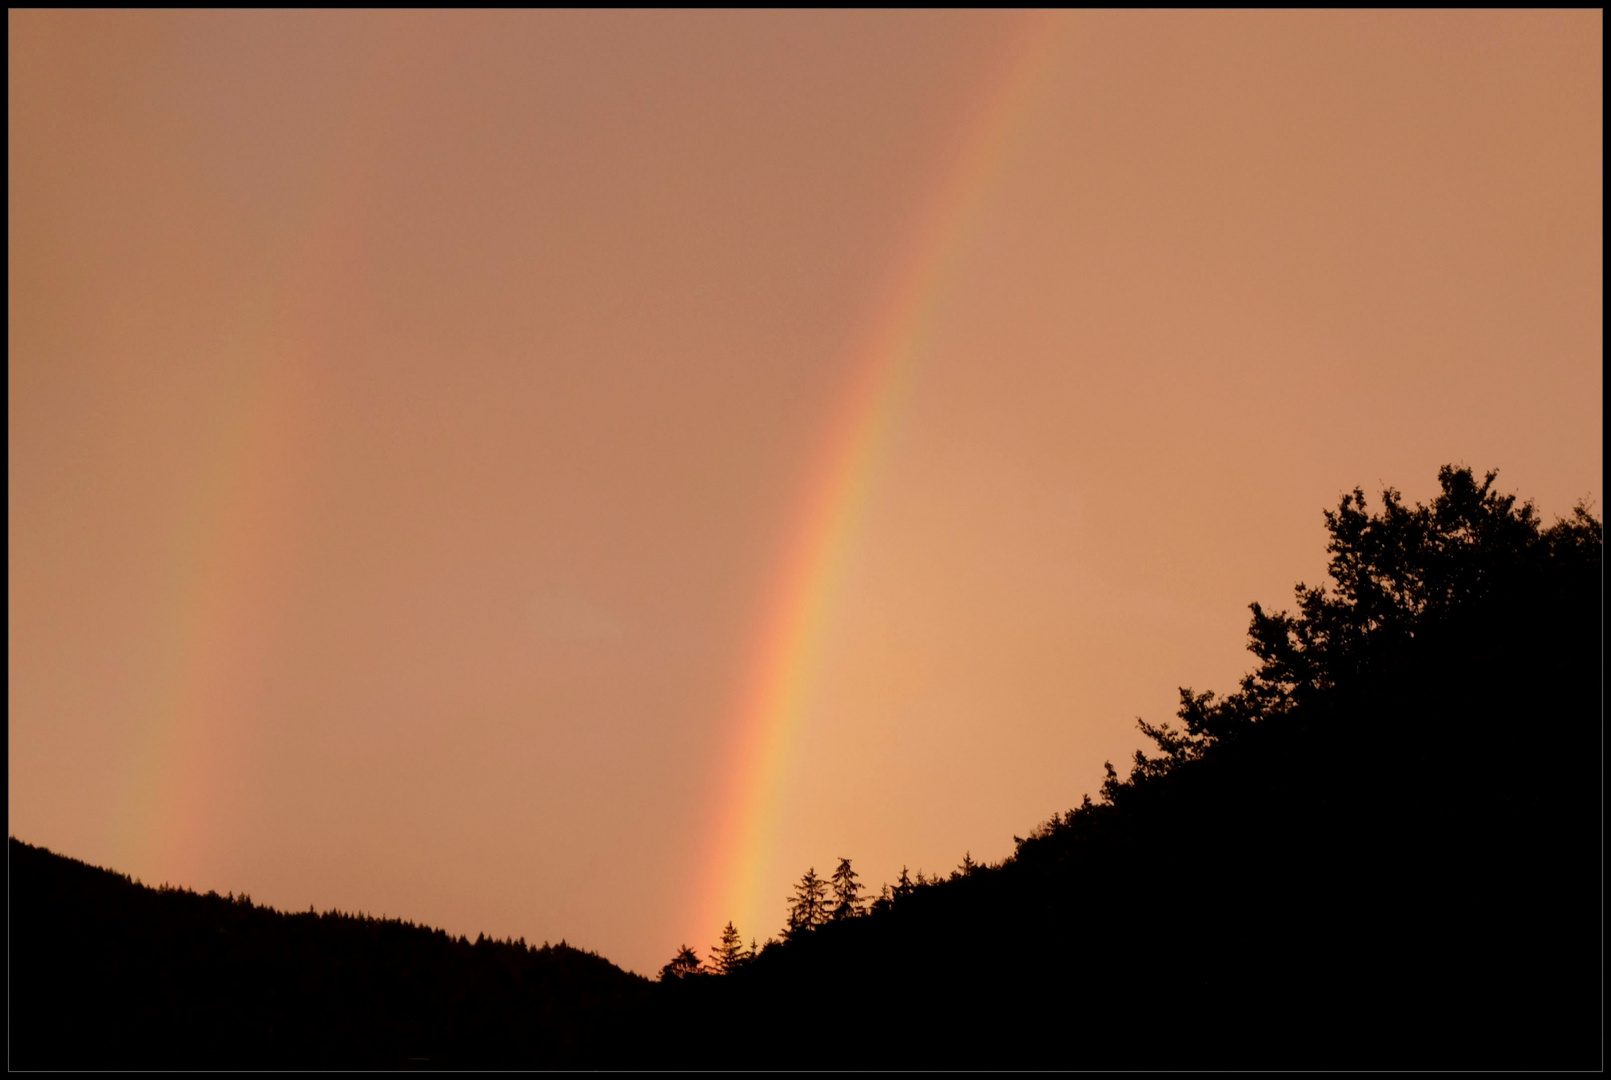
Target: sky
561, 475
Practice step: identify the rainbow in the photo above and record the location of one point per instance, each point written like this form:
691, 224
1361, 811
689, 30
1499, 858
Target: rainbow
836, 495
235, 552
226, 587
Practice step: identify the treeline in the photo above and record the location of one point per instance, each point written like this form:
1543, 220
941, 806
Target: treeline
1382, 850
108, 973
816, 902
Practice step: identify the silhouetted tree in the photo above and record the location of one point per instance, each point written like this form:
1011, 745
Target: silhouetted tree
808, 907
1381, 737
728, 955
684, 964
847, 903
1473, 553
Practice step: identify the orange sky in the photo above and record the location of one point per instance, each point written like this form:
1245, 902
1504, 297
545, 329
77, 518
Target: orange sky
412, 417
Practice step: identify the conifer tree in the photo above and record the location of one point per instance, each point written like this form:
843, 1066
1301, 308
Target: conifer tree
846, 893
727, 956
808, 907
684, 964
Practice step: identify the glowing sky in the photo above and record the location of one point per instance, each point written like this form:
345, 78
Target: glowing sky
562, 474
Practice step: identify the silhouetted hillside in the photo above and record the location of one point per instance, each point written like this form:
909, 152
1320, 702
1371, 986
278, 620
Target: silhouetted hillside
1383, 850
108, 973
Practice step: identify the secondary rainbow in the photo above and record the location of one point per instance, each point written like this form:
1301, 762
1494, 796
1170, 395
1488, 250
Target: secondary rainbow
840, 482
234, 557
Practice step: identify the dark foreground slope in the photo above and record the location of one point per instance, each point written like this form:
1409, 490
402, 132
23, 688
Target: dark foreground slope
105, 972
1384, 850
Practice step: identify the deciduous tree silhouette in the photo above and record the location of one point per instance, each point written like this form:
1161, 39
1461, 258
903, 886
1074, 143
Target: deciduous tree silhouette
1397, 577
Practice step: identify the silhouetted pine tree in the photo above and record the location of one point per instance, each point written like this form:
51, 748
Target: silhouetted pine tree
684, 964
727, 956
808, 907
846, 893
